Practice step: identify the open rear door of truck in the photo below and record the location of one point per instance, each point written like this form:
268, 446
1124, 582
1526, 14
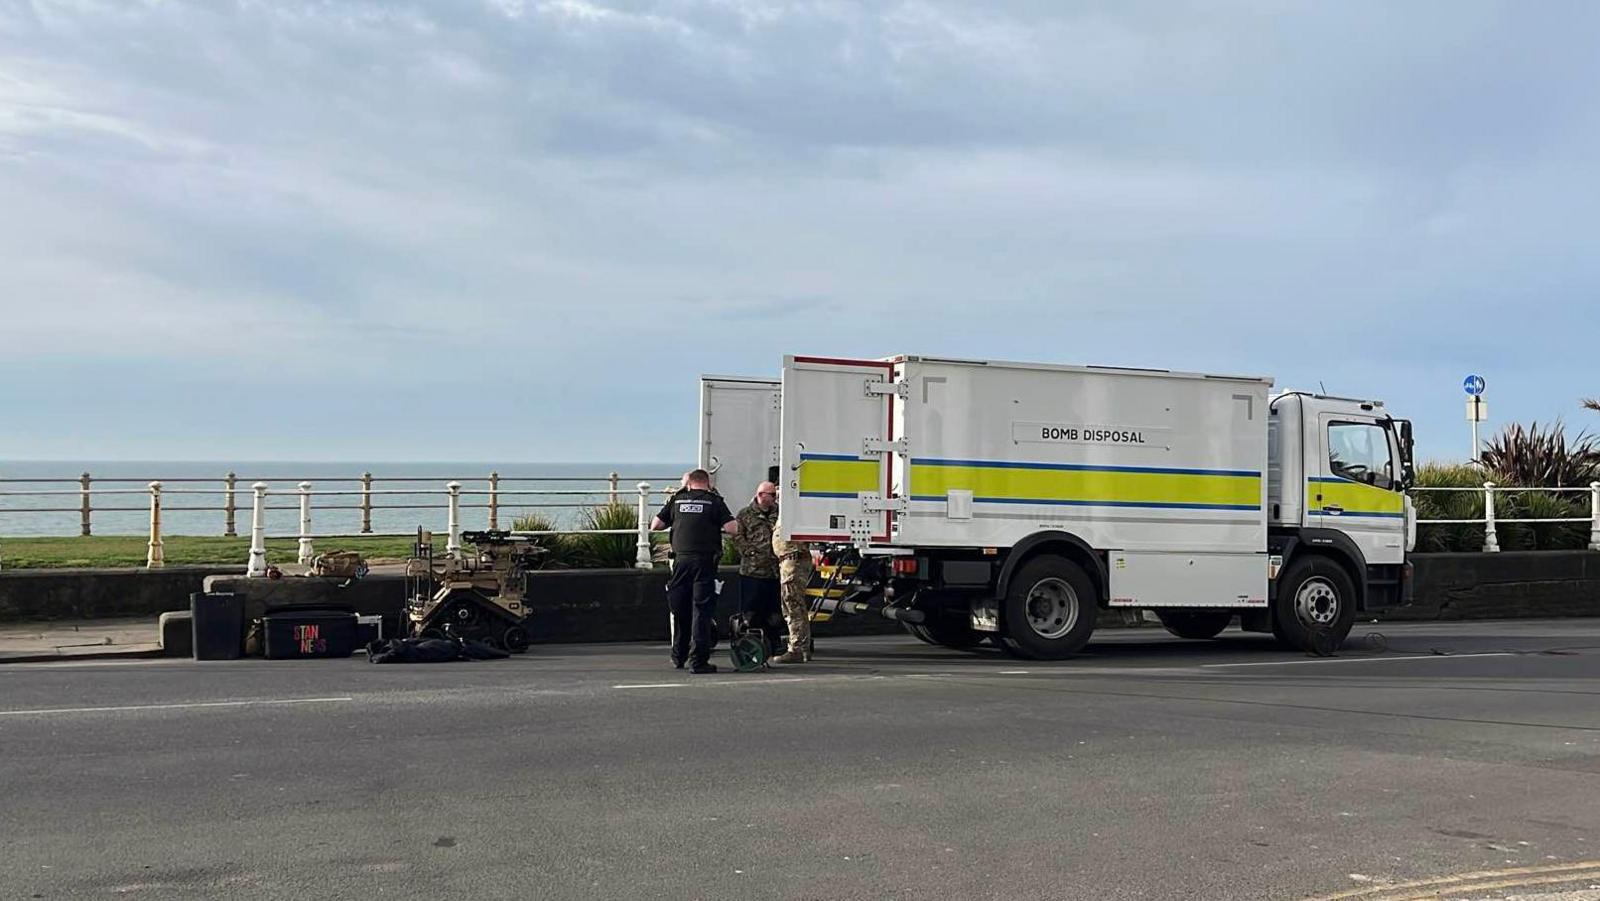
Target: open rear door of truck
739, 425
837, 447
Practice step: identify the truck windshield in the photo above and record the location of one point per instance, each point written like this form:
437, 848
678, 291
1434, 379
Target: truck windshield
1359, 451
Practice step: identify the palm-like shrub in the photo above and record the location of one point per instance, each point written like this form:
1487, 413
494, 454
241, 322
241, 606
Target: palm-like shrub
1520, 457
613, 551
1530, 456
560, 550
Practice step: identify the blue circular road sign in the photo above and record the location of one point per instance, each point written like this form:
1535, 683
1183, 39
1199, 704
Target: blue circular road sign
1473, 385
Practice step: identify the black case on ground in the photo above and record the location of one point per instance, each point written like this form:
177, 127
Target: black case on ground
217, 620
299, 634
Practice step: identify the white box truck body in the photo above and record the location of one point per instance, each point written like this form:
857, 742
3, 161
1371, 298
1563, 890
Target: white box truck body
1012, 500
739, 423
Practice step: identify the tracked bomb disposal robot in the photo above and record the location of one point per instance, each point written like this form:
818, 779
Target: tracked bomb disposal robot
480, 596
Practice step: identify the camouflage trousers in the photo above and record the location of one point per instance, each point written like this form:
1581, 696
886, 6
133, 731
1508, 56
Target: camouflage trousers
796, 575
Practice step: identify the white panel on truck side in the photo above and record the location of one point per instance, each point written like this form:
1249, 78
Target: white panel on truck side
1136, 460
740, 419
1155, 579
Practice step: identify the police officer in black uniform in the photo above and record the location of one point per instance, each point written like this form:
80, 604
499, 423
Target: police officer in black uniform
698, 518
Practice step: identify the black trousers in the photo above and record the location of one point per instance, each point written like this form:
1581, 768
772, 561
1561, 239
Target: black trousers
692, 598
758, 600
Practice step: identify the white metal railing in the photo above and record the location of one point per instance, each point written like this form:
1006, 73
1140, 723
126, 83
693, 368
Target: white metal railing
257, 566
53, 496
1490, 522
305, 494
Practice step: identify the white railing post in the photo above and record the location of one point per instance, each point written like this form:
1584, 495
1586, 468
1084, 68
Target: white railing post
85, 510
494, 501
642, 559
453, 548
155, 559
307, 552
228, 506
613, 480
1491, 541
1594, 516
258, 532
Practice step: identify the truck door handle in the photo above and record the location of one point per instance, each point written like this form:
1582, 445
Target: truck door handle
1332, 509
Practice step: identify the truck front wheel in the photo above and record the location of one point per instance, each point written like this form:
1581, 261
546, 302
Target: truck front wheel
1195, 623
1049, 609
1316, 605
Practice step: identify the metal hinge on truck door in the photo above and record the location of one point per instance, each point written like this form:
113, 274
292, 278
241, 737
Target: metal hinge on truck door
872, 503
875, 387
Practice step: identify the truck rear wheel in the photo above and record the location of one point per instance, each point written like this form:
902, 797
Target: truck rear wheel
1195, 623
1049, 609
1316, 605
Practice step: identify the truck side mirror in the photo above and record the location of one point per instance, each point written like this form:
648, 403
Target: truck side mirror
1408, 454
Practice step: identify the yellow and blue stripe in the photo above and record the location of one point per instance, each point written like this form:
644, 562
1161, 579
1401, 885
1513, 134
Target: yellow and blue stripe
838, 475
1086, 485
1354, 498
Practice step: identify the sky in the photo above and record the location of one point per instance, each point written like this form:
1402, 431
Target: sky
519, 230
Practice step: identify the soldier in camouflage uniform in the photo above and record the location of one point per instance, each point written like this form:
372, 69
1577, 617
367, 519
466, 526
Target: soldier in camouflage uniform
794, 571
758, 565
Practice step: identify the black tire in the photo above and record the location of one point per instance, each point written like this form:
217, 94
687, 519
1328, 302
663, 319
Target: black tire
919, 631
1315, 595
1049, 609
1195, 623
514, 639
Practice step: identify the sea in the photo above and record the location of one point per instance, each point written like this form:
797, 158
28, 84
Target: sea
193, 494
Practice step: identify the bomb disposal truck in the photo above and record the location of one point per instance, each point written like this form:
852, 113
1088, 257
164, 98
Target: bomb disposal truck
1012, 501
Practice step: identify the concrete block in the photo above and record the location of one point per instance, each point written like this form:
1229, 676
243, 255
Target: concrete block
176, 628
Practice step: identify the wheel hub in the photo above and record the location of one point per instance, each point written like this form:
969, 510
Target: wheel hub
1052, 608
1316, 603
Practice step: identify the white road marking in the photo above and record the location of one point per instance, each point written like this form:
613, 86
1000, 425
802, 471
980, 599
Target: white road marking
745, 680
1013, 672
1359, 659
68, 663
192, 706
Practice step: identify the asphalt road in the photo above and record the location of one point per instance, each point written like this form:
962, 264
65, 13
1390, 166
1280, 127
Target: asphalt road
1460, 757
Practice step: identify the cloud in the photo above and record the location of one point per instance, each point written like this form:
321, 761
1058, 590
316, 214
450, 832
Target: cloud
562, 197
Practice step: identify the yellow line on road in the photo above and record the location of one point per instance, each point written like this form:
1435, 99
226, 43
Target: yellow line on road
1395, 891
1525, 882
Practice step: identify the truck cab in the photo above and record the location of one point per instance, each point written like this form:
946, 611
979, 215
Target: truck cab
1337, 472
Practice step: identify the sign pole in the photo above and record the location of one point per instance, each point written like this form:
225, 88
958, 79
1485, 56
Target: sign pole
1476, 403
1474, 385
